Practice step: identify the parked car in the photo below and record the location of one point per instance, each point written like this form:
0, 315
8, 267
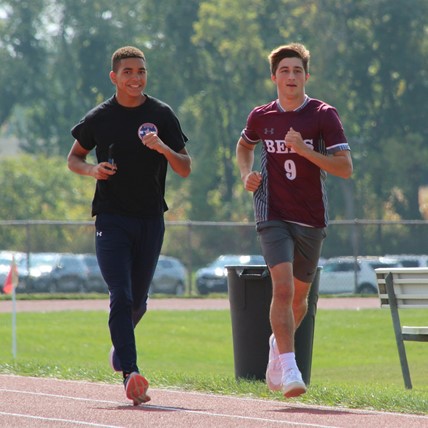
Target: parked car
95, 281
411, 260
349, 275
213, 278
170, 276
53, 272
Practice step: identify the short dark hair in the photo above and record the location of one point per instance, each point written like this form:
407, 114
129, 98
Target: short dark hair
293, 50
123, 53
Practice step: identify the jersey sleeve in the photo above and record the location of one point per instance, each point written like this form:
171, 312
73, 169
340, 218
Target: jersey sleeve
249, 133
332, 132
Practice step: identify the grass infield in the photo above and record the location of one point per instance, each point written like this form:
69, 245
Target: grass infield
355, 360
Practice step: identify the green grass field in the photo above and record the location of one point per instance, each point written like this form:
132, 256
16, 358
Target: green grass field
355, 360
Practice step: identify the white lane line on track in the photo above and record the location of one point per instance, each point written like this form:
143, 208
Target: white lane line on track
402, 416
68, 421
310, 406
68, 397
248, 418
150, 406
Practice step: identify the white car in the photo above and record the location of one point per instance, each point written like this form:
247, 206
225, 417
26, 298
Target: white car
349, 275
411, 260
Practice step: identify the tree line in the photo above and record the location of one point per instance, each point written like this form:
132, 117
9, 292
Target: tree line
208, 60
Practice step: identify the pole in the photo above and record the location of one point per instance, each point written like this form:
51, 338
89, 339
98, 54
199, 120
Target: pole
13, 323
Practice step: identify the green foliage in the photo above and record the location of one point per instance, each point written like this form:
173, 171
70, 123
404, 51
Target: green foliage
355, 360
21, 50
208, 60
230, 52
42, 188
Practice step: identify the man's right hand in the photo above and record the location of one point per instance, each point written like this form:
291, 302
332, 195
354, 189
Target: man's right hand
103, 171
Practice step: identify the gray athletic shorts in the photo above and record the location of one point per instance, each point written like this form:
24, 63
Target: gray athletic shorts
290, 242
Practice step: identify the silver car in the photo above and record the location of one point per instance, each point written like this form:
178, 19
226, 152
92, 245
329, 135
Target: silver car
170, 277
95, 280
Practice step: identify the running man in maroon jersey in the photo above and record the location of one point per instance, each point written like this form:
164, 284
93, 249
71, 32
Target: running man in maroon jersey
302, 140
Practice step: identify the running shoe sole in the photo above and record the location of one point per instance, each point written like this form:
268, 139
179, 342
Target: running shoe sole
294, 389
136, 388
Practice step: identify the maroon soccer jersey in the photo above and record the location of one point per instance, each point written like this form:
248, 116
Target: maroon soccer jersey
293, 188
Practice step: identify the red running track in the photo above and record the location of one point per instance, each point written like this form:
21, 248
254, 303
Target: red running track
40, 402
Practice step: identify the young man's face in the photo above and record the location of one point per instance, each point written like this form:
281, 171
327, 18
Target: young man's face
290, 77
130, 78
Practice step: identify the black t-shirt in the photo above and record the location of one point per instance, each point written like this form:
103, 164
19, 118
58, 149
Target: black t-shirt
138, 187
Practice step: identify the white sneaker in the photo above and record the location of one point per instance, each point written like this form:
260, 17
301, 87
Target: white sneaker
274, 370
292, 383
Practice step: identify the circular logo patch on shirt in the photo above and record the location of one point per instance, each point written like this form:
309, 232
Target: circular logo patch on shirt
145, 128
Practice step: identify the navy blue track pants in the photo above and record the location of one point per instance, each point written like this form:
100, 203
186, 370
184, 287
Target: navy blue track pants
127, 251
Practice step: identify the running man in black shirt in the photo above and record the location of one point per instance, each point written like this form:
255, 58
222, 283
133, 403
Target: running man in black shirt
135, 137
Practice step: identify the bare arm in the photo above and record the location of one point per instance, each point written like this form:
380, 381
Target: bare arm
245, 158
76, 161
340, 164
180, 162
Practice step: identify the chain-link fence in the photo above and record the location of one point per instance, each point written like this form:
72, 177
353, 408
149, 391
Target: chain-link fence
197, 243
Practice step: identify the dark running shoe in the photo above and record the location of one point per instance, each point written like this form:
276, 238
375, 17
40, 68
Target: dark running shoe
114, 360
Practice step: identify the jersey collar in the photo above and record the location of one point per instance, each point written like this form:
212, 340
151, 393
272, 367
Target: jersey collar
282, 109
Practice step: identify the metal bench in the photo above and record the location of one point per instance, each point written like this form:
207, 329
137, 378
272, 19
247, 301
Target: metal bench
404, 288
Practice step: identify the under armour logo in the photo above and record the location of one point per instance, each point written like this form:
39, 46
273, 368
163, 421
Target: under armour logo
99, 233
269, 131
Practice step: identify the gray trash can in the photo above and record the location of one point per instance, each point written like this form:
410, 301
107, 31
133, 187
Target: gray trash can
250, 295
